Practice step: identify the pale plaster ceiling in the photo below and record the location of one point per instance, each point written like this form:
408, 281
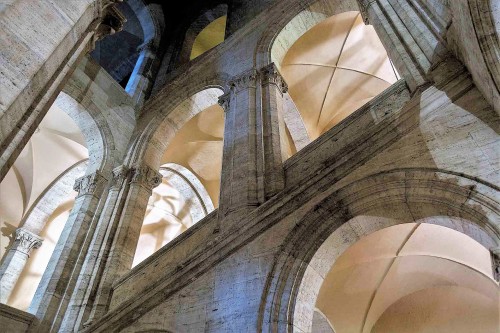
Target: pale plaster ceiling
335, 68
211, 36
55, 147
412, 278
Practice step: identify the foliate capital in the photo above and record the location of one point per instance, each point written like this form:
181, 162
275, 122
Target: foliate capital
146, 176
92, 184
224, 101
243, 81
25, 241
271, 75
120, 175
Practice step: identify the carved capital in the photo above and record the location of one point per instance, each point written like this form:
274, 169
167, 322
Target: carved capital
271, 75
92, 184
120, 175
243, 81
25, 241
495, 260
146, 176
225, 101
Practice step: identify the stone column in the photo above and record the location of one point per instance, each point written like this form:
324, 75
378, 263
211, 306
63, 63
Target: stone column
65, 264
252, 170
141, 81
81, 300
127, 220
15, 260
239, 191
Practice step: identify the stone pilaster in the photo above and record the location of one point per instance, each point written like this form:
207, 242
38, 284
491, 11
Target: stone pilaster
273, 129
239, 184
252, 169
59, 278
15, 260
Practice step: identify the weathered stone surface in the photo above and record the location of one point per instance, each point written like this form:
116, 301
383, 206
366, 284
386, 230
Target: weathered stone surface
425, 151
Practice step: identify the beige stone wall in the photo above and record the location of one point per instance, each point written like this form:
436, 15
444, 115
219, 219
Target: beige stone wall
426, 149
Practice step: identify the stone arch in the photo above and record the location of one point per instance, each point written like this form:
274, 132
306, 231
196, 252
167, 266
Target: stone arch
151, 18
293, 23
423, 193
96, 131
196, 27
152, 21
36, 218
167, 113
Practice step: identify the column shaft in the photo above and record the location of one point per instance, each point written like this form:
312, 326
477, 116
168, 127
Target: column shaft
65, 263
15, 260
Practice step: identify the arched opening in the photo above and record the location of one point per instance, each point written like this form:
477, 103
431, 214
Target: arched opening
333, 64
204, 33
408, 278
36, 197
399, 197
208, 38
191, 168
119, 53
131, 55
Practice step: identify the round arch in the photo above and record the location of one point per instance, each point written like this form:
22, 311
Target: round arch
196, 27
410, 195
95, 129
293, 23
164, 115
190, 188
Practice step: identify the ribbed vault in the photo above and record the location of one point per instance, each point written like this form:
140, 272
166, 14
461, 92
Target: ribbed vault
335, 68
411, 274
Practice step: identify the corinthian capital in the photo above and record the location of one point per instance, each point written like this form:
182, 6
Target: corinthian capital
146, 176
92, 184
120, 175
25, 241
243, 81
271, 75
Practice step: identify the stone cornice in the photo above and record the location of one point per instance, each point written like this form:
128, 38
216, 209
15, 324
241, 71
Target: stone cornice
145, 176
92, 184
270, 75
25, 241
